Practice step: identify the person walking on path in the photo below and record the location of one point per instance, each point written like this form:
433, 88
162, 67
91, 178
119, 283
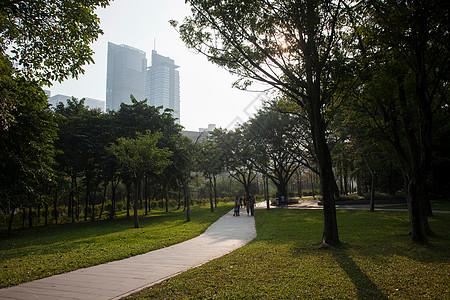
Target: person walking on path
237, 205
247, 205
252, 205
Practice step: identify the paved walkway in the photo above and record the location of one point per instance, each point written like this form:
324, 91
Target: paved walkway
314, 204
120, 278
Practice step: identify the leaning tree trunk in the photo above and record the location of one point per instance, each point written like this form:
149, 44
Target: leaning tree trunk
330, 233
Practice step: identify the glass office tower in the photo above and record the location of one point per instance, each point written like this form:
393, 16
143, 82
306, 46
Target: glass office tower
163, 84
125, 75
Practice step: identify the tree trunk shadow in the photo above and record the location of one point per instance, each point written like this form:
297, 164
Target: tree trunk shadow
365, 287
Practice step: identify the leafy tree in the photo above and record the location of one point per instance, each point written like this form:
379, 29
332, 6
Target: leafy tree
237, 155
404, 52
71, 157
139, 155
44, 41
210, 163
27, 133
278, 147
175, 173
293, 46
138, 117
49, 40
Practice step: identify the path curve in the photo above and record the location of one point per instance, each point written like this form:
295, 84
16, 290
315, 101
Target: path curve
117, 279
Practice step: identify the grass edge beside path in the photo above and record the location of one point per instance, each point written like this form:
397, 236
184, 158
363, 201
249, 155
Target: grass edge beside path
37, 253
376, 261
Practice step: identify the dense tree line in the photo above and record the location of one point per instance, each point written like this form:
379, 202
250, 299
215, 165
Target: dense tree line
96, 151
34, 51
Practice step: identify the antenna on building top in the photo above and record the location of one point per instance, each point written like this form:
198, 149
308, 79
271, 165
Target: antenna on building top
154, 44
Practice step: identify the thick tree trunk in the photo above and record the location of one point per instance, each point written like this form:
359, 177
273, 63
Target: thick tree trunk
328, 183
416, 198
330, 233
417, 169
358, 185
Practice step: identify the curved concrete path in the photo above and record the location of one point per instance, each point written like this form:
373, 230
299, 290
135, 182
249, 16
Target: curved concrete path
120, 278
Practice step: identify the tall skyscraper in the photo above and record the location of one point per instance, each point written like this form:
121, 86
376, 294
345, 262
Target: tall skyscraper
125, 75
163, 84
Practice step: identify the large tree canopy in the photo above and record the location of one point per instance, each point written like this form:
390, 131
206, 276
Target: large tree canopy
403, 54
49, 39
140, 155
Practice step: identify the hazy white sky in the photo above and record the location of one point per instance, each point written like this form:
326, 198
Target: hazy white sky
206, 93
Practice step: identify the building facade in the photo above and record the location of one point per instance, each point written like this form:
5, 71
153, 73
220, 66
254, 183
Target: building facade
125, 75
89, 102
163, 84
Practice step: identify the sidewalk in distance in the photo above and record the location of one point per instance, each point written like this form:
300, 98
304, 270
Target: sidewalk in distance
120, 278
314, 204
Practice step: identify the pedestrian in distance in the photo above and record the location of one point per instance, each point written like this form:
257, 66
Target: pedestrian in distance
252, 205
236, 206
247, 205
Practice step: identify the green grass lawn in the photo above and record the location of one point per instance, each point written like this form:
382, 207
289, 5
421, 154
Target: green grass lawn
41, 252
377, 260
435, 206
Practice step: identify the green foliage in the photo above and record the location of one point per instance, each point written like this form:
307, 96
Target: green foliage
237, 154
50, 40
377, 261
280, 143
141, 154
42, 252
27, 132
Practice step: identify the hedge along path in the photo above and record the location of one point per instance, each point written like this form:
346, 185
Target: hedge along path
117, 279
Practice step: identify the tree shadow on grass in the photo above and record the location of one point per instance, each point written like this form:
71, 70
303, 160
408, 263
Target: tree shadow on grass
366, 289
